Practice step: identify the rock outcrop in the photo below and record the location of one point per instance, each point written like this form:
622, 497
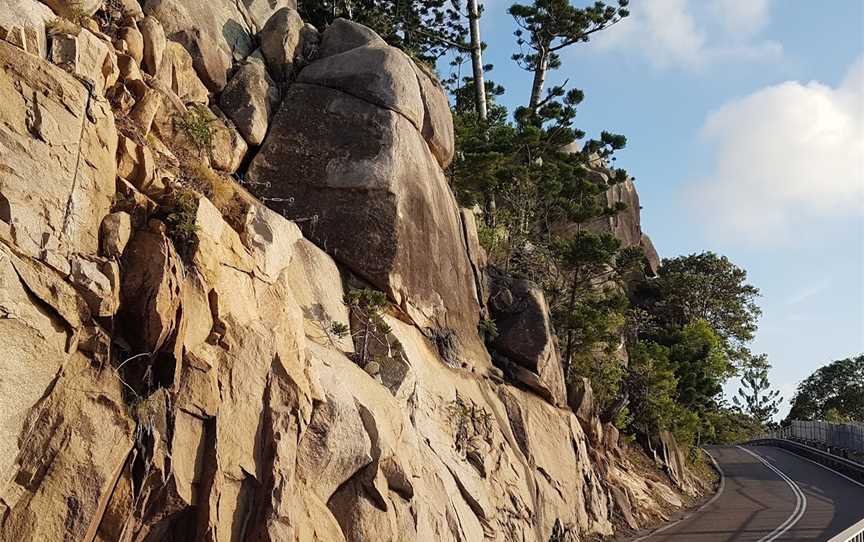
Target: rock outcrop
354, 153
177, 357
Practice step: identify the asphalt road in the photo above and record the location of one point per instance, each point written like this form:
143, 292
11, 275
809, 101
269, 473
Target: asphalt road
770, 494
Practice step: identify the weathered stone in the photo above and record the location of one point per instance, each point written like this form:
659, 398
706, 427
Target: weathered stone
88, 57
178, 74
22, 23
249, 100
652, 259
383, 76
154, 44
216, 33
72, 9
100, 292
229, 148
151, 290
580, 397
340, 160
437, 119
34, 342
135, 163
144, 111
343, 35
115, 233
78, 441
52, 129
281, 42
134, 42
525, 334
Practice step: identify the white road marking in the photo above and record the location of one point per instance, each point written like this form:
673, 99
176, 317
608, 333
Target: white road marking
800, 500
701, 508
856, 482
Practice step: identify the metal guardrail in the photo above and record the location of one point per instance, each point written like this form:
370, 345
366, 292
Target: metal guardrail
851, 469
845, 437
854, 533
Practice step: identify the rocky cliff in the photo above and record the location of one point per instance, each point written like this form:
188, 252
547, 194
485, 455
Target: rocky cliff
176, 357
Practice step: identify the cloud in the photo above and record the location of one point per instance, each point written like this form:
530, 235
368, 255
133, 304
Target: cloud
692, 35
785, 157
741, 17
809, 292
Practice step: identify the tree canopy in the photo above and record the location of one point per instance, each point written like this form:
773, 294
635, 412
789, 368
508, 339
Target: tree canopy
834, 392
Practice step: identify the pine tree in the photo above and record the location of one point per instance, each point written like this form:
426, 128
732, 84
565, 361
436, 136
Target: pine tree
755, 397
548, 26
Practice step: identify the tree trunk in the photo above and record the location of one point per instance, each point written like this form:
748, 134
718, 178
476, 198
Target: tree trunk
539, 80
477, 61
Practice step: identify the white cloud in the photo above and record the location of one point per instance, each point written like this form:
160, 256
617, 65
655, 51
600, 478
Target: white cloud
692, 35
784, 155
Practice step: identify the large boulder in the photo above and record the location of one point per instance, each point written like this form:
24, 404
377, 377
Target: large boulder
282, 42
249, 100
525, 344
73, 9
347, 147
331, 159
51, 128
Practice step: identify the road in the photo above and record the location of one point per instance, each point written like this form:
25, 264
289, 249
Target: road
769, 494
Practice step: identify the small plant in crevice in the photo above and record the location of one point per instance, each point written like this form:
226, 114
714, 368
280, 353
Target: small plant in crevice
196, 124
339, 330
488, 329
473, 426
182, 207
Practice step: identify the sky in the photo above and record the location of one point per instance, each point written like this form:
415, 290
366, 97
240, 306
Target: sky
745, 133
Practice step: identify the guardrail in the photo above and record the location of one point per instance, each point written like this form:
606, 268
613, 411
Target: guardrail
854, 533
843, 439
850, 469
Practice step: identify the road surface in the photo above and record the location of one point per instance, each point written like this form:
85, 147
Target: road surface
769, 494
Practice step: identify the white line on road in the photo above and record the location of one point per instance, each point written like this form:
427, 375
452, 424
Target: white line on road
800, 500
856, 482
700, 509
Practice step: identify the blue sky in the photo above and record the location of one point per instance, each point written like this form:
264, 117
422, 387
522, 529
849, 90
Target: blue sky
745, 130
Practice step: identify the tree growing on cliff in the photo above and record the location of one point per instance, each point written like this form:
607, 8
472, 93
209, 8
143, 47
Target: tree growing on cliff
834, 391
755, 396
704, 287
545, 27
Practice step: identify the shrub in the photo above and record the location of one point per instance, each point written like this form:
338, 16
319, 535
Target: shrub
339, 330
181, 217
196, 124
488, 329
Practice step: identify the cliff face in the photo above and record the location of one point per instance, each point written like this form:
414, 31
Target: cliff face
170, 365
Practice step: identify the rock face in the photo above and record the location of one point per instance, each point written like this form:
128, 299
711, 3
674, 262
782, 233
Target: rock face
360, 158
525, 345
52, 128
216, 33
177, 360
22, 22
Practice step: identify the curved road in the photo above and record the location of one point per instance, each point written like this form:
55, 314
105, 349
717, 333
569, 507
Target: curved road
770, 494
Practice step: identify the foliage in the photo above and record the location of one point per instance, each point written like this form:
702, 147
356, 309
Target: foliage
729, 426
756, 398
196, 124
545, 27
181, 217
339, 330
366, 307
425, 29
488, 329
705, 287
834, 392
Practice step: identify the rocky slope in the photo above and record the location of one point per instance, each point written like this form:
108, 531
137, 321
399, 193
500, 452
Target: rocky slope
169, 365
